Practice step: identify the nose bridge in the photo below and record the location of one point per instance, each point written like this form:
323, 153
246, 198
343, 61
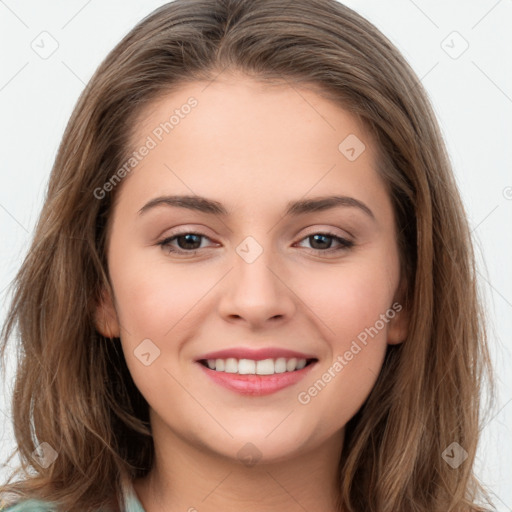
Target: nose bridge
253, 262
255, 291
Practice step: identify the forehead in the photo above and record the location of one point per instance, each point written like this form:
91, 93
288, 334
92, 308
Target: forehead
221, 108
251, 141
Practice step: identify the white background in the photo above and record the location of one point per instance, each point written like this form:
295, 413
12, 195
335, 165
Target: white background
471, 94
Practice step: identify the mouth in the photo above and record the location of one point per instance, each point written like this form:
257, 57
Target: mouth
252, 377
257, 367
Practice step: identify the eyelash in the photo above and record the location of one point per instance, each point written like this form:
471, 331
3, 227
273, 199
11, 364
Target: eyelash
165, 243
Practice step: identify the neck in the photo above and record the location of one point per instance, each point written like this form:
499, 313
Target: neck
187, 477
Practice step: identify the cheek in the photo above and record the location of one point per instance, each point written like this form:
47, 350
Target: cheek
154, 303
360, 306
349, 300
356, 308
152, 296
357, 348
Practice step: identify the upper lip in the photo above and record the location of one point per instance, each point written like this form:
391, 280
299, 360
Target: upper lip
255, 354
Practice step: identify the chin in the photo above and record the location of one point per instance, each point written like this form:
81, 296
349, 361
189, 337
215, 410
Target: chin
254, 446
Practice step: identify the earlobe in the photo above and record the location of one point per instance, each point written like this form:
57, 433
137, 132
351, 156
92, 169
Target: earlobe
398, 326
105, 317
398, 314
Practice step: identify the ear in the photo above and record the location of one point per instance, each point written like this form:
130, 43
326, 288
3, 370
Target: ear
398, 326
105, 317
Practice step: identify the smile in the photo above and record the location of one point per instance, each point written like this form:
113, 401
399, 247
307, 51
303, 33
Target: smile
253, 367
256, 378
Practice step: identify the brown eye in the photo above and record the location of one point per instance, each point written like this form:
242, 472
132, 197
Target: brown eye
186, 243
323, 242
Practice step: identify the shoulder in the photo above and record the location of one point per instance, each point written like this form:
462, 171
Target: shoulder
131, 503
31, 505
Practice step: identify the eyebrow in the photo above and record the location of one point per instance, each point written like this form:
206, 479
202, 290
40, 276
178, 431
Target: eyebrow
212, 207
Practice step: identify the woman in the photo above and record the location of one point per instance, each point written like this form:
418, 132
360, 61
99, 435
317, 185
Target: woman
253, 371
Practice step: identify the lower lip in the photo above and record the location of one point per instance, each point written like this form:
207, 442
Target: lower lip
257, 385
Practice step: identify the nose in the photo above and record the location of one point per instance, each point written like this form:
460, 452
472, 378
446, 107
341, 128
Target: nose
257, 292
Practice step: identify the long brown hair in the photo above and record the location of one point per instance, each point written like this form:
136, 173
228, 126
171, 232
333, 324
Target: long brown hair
73, 389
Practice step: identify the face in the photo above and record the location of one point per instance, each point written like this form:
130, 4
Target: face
283, 255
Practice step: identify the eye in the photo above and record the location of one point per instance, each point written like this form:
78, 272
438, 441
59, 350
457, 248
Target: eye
189, 243
322, 242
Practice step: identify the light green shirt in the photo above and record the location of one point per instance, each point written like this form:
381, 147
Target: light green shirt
131, 503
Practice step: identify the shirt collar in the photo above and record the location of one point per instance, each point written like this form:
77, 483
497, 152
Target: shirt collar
130, 499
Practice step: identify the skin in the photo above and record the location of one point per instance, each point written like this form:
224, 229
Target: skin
252, 148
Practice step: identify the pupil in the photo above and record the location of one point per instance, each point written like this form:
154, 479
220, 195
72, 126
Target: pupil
189, 239
194, 239
315, 240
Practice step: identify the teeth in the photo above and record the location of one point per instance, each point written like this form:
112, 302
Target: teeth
301, 363
280, 365
246, 367
251, 367
291, 364
231, 365
265, 367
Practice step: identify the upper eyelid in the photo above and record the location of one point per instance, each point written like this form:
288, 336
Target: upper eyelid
325, 231
201, 230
